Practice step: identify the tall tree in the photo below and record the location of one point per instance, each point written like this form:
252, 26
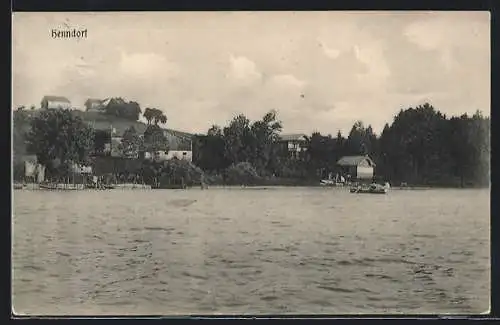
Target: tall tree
154, 115
209, 151
155, 139
130, 143
324, 151
59, 139
264, 136
101, 138
120, 108
357, 143
236, 137
162, 118
215, 130
148, 115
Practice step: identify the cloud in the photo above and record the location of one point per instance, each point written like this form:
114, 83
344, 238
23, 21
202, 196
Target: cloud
146, 65
287, 80
444, 58
243, 70
320, 70
332, 53
442, 31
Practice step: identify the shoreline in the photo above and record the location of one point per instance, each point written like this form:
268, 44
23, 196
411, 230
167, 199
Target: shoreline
34, 186
397, 188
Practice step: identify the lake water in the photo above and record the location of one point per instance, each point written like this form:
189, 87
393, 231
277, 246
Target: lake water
250, 251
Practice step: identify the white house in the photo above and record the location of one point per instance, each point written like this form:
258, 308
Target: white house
180, 147
162, 155
55, 102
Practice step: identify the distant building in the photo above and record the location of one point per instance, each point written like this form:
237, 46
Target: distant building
294, 145
180, 145
95, 105
162, 155
177, 140
55, 102
357, 167
159, 155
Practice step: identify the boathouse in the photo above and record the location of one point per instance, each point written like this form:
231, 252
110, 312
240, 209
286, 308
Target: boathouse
357, 167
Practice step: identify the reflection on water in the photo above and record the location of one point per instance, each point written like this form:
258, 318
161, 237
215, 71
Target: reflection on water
247, 251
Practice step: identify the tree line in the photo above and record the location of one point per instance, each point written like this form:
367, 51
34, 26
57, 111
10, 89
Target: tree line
421, 146
129, 110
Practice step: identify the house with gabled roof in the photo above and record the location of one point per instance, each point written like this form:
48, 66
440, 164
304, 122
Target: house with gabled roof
295, 145
357, 167
55, 102
95, 105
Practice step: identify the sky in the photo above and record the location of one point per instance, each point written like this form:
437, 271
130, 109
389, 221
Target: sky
321, 71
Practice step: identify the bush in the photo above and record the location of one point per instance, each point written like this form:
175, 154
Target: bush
242, 173
213, 179
177, 171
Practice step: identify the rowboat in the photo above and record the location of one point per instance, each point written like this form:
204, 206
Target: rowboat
372, 189
368, 191
328, 182
94, 186
62, 187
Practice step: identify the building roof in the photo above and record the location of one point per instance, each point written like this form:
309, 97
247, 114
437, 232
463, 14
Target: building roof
140, 128
98, 100
93, 100
105, 101
55, 98
293, 137
354, 160
120, 127
179, 134
30, 158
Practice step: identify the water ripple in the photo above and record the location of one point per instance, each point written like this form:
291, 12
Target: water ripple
296, 251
